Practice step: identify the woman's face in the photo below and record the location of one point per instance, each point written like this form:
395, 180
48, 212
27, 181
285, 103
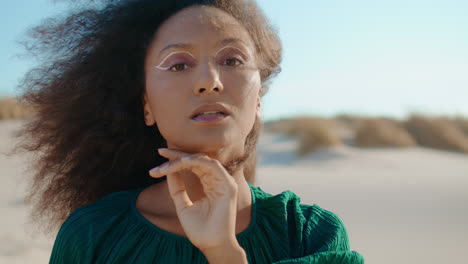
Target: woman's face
202, 81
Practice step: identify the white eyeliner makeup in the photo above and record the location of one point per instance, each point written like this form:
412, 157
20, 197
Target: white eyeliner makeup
174, 52
227, 47
164, 60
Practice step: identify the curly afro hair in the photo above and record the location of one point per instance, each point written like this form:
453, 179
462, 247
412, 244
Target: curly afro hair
87, 131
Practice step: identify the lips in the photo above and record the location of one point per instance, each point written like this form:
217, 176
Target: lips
208, 111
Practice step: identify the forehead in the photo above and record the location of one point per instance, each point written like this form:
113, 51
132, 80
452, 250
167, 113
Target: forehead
200, 24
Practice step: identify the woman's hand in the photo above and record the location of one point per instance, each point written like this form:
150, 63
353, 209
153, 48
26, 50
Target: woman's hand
210, 222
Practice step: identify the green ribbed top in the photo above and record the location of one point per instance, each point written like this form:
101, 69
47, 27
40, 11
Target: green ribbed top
111, 230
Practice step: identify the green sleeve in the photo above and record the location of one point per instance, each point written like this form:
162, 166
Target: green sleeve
336, 251
325, 241
70, 245
64, 249
328, 257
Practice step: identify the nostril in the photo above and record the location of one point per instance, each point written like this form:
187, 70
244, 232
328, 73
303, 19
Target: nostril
201, 90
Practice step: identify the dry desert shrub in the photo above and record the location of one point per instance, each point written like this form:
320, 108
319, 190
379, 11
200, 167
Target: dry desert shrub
347, 126
382, 132
462, 124
349, 121
437, 132
312, 133
10, 108
281, 126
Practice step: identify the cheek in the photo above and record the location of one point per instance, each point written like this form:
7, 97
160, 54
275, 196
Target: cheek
244, 90
166, 103
164, 91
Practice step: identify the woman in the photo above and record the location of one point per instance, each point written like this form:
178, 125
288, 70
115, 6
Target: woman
149, 115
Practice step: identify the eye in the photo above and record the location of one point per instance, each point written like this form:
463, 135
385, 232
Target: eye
232, 62
178, 67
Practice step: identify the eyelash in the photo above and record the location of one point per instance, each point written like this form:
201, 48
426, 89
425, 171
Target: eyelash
232, 58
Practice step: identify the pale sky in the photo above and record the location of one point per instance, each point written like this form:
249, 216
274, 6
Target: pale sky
371, 57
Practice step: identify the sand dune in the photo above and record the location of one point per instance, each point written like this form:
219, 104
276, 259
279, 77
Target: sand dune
18, 243
399, 205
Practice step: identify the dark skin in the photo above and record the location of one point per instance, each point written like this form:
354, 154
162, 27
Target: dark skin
200, 199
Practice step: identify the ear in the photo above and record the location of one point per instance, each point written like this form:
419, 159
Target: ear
148, 115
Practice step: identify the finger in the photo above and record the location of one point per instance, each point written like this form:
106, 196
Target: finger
212, 174
215, 179
156, 171
178, 191
161, 170
197, 165
176, 185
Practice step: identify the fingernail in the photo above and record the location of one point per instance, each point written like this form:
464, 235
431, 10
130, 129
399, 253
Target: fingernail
153, 170
159, 149
164, 166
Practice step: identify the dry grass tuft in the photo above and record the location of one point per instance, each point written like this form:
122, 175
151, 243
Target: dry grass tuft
347, 126
437, 132
349, 121
462, 124
313, 133
382, 132
10, 108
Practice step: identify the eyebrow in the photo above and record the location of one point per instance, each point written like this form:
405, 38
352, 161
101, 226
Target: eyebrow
190, 46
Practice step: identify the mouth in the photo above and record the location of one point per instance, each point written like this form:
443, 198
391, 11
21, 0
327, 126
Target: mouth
209, 116
210, 113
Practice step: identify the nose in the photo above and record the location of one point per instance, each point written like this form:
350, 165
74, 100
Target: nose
208, 80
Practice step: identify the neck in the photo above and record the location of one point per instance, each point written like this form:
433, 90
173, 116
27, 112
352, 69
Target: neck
195, 190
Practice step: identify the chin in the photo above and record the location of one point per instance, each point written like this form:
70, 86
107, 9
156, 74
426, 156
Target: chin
205, 143
208, 146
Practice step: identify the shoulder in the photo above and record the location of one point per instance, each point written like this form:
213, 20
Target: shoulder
286, 199
323, 230
82, 230
291, 203
314, 228
323, 218
102, 210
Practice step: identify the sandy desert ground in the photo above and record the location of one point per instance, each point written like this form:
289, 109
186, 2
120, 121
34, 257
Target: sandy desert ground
399, 206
